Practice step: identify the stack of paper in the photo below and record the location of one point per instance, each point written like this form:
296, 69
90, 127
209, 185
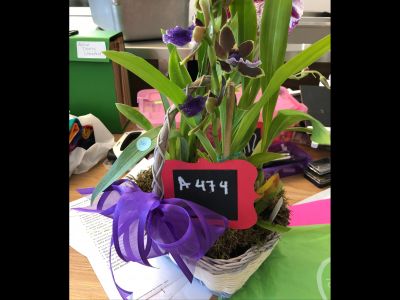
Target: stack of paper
90, 235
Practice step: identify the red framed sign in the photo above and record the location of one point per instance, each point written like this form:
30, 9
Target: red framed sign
224, 187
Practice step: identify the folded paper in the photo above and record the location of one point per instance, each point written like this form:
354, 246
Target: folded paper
312, 213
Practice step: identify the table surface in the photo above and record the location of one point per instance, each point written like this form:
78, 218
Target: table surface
83, 282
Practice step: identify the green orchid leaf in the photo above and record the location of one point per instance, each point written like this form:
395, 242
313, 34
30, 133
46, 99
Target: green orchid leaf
272, 227
247, 26
147, 73
300, 129
134, 116
126, 161
202, 155
245, 129
183, 149
260, 159
222, 116
177, 72
172, 148
202, 59
294, 65
249, 94
165, 102
207, 145
287, 117
247, 20
233, 24
273, 36
274, 31
237, 118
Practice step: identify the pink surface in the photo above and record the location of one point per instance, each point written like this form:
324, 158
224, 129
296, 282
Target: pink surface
150, 104
285, 101
311, 213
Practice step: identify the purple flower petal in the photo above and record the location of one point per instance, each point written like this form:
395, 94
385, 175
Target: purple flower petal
225, 66
248, 71
235, 62
193, 105
297, 12
178, 36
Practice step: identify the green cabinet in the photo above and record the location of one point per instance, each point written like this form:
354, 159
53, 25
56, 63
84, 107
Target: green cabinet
95, 82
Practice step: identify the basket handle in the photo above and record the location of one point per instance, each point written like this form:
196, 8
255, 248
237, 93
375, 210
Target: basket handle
159, 151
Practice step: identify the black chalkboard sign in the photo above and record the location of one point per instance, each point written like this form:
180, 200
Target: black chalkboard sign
255, 138
216, 190
226, 188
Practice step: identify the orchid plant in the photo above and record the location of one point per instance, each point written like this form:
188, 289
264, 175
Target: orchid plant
236, 43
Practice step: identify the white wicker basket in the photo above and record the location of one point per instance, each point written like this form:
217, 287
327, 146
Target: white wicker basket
226, 276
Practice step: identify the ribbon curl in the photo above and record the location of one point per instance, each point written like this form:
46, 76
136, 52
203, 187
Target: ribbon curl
145, 226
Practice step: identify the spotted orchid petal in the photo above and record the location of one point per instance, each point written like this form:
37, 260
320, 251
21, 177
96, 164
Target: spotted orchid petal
245, 48
226, 39
248, 71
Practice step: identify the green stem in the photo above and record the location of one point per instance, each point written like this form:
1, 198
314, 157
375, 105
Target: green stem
230, 106
200, 125
215, 122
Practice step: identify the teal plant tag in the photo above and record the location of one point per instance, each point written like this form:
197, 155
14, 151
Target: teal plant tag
143, 144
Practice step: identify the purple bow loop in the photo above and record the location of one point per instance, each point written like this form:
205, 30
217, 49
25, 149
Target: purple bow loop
145, 226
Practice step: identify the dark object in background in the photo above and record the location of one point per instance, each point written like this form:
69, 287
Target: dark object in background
78, 3
296, 163
121, 144
136, 84
318, 101
73, 32
319, 172
87, 138
193, 69
139, 20
321, 166
323, 67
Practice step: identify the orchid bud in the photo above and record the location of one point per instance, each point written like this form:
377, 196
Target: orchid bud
325, 82
197, 5
205, 7
211, 104
198, 33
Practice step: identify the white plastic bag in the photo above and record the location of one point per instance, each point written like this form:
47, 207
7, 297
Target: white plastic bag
82, 160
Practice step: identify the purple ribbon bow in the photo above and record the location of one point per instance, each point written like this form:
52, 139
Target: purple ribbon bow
145, 226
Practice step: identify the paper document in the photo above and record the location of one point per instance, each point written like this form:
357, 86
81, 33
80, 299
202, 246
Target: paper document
325, 194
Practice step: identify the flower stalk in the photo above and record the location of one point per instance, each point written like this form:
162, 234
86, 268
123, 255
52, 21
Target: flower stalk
230, 106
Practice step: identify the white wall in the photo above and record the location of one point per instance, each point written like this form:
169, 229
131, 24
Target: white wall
317, 5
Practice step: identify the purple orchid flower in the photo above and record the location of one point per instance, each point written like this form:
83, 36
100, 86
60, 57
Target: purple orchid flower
178, 36
193, 105
234, 57
297, 12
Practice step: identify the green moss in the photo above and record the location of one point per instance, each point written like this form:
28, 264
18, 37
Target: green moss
144, 180
235, 242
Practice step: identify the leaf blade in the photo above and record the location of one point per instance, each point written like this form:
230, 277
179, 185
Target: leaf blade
134, 116
260, 159
128, 158
147, 73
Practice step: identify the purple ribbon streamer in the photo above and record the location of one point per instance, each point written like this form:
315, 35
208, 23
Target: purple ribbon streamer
145, 226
